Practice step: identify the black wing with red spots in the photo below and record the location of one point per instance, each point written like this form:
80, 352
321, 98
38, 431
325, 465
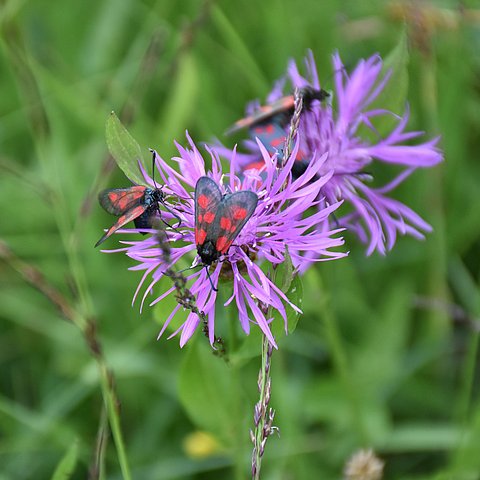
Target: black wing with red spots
207, 200
271, 134
219, 219
233, 213
137, 203
119, 200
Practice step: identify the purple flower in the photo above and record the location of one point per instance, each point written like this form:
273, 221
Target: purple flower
278, 220
336, 133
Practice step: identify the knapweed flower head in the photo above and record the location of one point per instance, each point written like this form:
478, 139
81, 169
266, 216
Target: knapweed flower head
277, 225
334, 128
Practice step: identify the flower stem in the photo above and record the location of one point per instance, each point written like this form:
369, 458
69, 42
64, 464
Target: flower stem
263, 415
439, 323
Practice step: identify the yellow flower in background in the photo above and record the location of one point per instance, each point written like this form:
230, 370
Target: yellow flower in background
201, 444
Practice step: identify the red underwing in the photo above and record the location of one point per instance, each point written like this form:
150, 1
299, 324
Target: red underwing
219, 218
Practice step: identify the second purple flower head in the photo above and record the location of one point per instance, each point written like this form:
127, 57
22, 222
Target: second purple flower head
336, 136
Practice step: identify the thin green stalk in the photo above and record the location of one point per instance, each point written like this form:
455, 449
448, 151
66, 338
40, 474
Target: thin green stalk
439, 322
263, 416
82, 316
35, 278
468, 379
239, 440
86, 323
106, 377
112, 405
97, 469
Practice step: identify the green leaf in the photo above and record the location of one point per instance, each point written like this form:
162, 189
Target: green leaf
394, 95
295, 295
251, 347
422, 437
210, 393
124, 149
284, 272
66, 467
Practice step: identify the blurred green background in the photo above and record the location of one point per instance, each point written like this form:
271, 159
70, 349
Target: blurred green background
386, 353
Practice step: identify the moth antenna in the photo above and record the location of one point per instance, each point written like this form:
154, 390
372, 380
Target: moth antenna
206, 269
167, 224
173, 213
153, 168
184, 198
210, 279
